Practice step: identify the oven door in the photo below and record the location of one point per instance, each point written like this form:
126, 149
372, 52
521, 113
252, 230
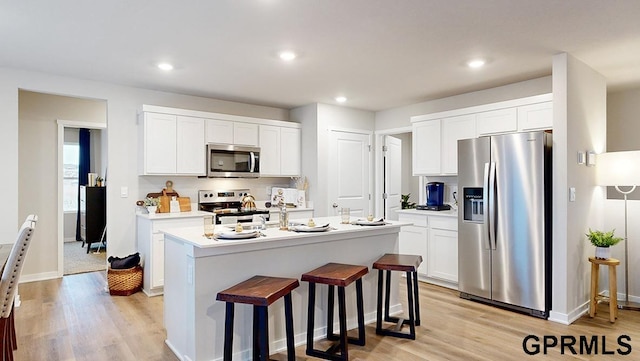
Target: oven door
230, 161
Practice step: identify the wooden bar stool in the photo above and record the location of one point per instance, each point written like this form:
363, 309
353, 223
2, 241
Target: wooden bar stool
404, 263
613, 287
340, 275
259, 291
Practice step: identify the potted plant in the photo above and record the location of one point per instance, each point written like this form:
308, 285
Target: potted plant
151, 204
99, 181
404, 203
602, 241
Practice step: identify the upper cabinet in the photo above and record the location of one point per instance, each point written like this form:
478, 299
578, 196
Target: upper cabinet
173, 141
172, 145
231, 132
280, 149
435, 136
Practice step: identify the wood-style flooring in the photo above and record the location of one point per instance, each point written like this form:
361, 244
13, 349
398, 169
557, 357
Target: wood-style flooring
73, 318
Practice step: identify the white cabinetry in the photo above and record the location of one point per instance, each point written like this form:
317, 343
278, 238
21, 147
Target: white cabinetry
535, 117
219, 131
435, 136
497, 121
454, 129
435, 238
280, 151
442, 250
172, 145
426, 147
245, 134
151, 247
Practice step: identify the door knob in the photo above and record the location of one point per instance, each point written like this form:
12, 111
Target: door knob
335, 205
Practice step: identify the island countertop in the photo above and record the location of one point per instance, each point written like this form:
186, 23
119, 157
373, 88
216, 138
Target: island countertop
272, 237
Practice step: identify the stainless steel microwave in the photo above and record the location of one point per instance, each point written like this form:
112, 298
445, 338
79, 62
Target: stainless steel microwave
232, 161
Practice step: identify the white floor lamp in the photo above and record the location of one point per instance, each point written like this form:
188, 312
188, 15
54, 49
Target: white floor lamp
621, 169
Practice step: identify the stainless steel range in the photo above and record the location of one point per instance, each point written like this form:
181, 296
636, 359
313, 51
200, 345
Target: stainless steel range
227, 205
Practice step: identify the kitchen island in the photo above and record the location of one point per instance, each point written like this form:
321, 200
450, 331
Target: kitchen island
197, 268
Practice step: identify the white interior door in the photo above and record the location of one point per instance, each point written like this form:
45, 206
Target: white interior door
392, 165
349, 173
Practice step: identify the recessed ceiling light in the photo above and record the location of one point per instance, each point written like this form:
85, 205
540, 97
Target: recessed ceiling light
165, 66
287, 55
341, 99
476, 63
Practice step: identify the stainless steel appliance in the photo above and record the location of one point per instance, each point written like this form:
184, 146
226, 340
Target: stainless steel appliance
227, 206
504, 225
232, 161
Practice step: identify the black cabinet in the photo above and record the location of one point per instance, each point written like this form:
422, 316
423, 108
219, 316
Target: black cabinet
93, 214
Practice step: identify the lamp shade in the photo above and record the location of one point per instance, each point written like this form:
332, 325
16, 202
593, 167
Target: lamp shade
618, 169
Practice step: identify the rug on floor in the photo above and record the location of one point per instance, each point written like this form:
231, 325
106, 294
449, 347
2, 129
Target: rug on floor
77, 260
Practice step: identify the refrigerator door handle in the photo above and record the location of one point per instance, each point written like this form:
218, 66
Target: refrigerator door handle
492, 206
485, 206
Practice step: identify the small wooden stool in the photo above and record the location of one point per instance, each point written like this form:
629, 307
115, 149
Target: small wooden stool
340, 275
613, 287
404, 263
259, 291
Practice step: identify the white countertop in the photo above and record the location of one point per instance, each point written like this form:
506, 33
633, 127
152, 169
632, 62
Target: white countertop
273, 236
449, 213
177, 215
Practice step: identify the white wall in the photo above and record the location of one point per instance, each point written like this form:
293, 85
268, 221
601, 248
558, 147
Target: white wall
623, 127
317, 120
122, 106
579, 124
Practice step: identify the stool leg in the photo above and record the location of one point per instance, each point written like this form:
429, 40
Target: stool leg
228, 331
416, 297
379, 302
330, 306
613, 294
342, 315
387, 291
311, 316
256, 334
360, 305
410, 306
263, 332
288, 316
594, 289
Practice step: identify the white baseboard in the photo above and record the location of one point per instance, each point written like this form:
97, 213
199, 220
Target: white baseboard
39, 277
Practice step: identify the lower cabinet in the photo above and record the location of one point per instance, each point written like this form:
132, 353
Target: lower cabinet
435, 238
150, 242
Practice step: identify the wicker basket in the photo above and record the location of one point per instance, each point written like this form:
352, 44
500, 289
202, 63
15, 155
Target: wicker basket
124, 282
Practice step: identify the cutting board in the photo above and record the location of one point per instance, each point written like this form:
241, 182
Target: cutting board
163, 200
185, 204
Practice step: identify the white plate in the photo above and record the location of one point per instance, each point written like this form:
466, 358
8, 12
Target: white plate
303, 228
237, 235
364, 222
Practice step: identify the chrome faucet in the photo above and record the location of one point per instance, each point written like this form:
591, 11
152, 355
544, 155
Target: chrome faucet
263, 222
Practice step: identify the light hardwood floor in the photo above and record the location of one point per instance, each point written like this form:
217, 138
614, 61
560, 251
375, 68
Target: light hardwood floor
75, 319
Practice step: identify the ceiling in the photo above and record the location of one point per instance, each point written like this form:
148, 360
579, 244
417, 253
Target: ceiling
380, 54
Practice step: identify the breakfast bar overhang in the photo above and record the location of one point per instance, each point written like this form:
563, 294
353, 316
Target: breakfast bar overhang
197, 268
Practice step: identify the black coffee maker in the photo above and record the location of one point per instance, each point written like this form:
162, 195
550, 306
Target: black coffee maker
435, 197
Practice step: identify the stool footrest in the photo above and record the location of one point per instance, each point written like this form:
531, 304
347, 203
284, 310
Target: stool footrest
350, 339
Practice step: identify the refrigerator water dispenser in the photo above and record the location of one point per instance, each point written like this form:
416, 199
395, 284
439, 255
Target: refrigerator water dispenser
473, 205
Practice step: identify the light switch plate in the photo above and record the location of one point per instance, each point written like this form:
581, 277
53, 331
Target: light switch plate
124, 192
572, 194
581, 158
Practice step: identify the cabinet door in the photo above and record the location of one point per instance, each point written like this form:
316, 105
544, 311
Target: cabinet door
245, 134
269, 150
426, 147
190, 148
413, 240
219, 131
497, 121
535, 117
454, 129
443, 255
157, 260
159, 143
290, 152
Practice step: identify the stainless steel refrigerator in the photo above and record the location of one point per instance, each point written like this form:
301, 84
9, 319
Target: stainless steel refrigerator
504, 224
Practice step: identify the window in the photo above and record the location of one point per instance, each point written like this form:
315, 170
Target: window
71, 157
